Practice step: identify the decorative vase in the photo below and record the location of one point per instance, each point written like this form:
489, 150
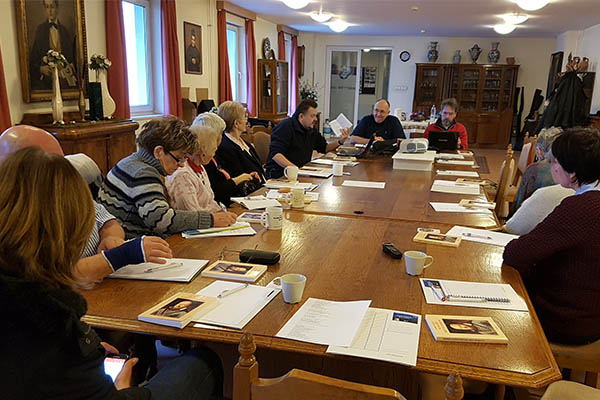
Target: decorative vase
57, 103
432, 54
108, 104
494, 54
81, 105
457, 57
474, 52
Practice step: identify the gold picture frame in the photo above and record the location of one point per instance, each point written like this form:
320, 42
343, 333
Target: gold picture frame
35, 21
192, 39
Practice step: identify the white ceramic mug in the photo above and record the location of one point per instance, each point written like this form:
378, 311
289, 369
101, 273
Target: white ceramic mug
415, 262
338, 169
292, 286
291, 173
297, 197
285, 199
272, 218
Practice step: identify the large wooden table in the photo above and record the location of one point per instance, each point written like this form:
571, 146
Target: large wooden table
342, 259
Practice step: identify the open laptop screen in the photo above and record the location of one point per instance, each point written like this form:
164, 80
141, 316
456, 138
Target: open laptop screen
443, 140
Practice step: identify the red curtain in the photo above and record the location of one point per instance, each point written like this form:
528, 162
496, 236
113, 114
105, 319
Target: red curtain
294, 92
115, 51
251, 68
224, 82
4, 109
281, 46
171, 72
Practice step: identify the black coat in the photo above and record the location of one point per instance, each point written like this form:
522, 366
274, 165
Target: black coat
222, 187
47, 351
567, 106
236, 161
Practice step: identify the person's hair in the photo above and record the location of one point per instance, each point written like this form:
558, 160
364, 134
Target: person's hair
193, 33
53, 1
210, 119
451, 102
546, 138
386, 102
47, 215
169, 132
231, 111
305, 105
577, 150
207, 138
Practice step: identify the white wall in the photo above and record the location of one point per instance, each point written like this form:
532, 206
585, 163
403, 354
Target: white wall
532, 54
589, 47
264, 29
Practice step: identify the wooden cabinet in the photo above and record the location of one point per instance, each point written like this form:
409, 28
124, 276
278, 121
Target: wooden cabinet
272, 90
485, 94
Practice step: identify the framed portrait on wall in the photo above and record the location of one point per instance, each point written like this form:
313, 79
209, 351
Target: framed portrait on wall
51, 25
192, 35
554, 73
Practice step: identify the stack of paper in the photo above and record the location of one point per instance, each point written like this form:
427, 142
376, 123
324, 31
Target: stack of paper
275, 194
237, 229
175, 270
315, 172
471, 174
448, 156
482, 235
455, 207
280, 184
454, 187
255, 202
328, 161
341, 122
456, 162
365, 184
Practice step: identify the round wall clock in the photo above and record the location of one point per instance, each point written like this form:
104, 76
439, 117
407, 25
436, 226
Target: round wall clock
266, 48
404, 56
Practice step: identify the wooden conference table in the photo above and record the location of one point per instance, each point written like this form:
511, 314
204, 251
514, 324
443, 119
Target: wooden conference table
342, 259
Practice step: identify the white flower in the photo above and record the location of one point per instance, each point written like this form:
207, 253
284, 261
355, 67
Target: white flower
108, 63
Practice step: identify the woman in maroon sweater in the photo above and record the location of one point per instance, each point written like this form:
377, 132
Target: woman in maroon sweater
559, 258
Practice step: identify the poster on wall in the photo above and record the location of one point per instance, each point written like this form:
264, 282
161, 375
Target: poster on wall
368, 80
192, 34
50, 25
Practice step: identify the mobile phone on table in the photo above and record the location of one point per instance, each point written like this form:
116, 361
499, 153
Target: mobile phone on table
113, 364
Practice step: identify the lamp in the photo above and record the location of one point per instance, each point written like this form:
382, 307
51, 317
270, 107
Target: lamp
504, 29
338, 25
515, 19
531, 5
320, 16
296, 4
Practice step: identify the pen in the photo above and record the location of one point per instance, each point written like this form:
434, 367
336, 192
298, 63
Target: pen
226, 293
229, 228
469, 234
439, 296
160, 268
269, 295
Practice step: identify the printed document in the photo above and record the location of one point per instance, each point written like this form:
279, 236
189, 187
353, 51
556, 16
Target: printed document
255, 202
469, 174
448, 156
454, 187
237, 229
455, 162
328, 161
175, 270
340, 123
482, 235
455, 207
365, 184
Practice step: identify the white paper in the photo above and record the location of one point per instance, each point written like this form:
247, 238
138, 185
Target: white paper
456, 162
255, 202
470, 174
237, 309
474, 289
365, 184
448, 156
243, 229
482, 235
385, 335
454, 187
161, 272
326, 322
327, 161
340, 123
455, 207
315, 172
280, 184
275, 194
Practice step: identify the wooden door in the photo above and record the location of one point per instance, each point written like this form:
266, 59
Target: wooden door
470, 83
428, 88
469, 120
487, 128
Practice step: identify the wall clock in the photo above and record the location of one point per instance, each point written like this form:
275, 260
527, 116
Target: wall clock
404, 56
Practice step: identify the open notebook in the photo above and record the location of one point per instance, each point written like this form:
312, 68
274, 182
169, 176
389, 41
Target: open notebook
175, 270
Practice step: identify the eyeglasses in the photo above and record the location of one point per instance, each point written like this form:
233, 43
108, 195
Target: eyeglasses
177, 160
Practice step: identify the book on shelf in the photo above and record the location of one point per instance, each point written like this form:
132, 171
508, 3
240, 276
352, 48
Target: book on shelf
461, 328
236, 271
179, 310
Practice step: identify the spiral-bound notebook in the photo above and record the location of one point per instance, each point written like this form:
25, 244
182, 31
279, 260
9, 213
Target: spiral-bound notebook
472, 294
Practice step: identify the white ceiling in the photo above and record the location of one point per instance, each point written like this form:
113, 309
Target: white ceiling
470, 18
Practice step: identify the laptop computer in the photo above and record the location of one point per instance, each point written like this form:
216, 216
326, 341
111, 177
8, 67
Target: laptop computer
355, 151
443, 140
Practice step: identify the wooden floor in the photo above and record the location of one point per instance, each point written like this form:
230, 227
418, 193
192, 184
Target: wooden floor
494, 159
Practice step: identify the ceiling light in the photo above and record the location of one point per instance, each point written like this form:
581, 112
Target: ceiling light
504, 29
338, 25
415, 9
423, 31
515, 19
531, 5
320, 16
296, 4
366, 50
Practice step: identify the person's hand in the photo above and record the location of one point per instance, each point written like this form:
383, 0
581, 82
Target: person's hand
379, 139
242, 178
223, 218
110, 242
458, 145
255, 175
123, 380
156, 249
46, 70
109, 348
345, 133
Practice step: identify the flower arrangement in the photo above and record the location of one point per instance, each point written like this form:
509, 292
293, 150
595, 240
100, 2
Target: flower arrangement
55, 59
98, 61
308, 91
418, 116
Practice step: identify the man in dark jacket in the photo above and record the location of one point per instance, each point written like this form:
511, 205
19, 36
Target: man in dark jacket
294, 139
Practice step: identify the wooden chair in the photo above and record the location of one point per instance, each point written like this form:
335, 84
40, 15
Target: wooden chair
262, 142
579, 358
565, 390
526, 158
296, 384
506, 176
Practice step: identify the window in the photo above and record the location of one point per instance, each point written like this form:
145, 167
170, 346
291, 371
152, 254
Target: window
288, 57
136, 14
236, 51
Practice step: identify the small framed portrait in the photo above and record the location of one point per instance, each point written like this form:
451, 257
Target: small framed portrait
192, 35
230, 268
177, 308
44, 25
469, 326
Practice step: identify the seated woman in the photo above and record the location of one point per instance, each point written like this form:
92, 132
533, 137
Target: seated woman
134, 190
52, 353
223, 185
189, 187
558, 259
537, 175
235, 154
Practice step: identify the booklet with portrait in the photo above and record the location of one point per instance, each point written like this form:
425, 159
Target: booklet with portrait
437, 238
235, 271
461, 328
179, 310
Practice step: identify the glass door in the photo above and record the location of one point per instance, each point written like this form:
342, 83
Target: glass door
469, 88
343, 83
491, 90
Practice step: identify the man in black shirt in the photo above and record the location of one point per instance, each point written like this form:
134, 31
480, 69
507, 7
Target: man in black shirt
380, 123
294, 139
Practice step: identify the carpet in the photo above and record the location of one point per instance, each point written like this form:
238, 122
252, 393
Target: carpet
483, 165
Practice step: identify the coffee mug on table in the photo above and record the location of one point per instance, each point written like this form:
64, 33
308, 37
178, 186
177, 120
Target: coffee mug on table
297, 197
338, 169
285, 200
291, 173
292, 286
272, 218
415, 262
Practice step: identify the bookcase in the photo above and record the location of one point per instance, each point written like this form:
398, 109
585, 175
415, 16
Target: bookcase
485, 94
272, 90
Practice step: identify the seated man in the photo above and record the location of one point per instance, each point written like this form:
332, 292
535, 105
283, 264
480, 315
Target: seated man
447, 122
381, 124
294, 139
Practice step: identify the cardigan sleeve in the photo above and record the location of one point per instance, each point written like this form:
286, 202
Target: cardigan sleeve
222, 187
